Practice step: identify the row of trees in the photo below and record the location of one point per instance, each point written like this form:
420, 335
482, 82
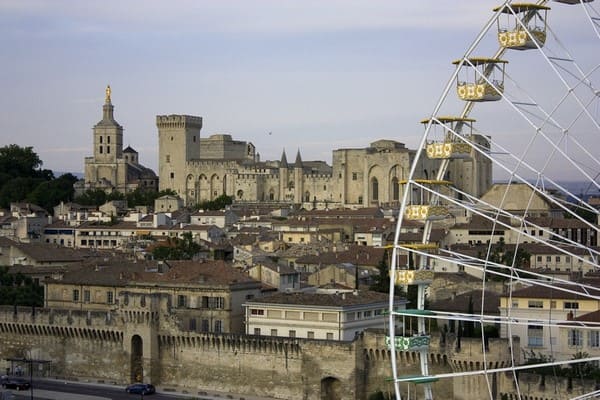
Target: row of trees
23, 179
19, 290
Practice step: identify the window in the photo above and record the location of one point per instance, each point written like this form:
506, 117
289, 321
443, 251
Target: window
109, 298
100, 149
367, 314
575, 338
539, 258
536, 304
350, 316
168, 158
552, 303
181, 301
86, 296
256, 311
204, 326
594, 339
354, 176
571, 305
515, 304
101, 139
192, 324
107, 149
218, 326
172, 175
108, 139
535, 336
257, 331
292, 334
273, 332
329, 336
310, 334
216, 302
75, 295
557, 259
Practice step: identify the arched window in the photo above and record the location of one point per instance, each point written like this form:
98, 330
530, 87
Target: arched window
395, 189
374, 189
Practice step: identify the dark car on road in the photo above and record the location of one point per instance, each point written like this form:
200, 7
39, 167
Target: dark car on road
15, 383
140, 388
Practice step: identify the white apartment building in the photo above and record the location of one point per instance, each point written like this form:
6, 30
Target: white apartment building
328, 315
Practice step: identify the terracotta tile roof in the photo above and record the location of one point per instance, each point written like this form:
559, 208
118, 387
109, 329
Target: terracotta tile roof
208, 272
92, 225
367, 212
44, 252
325, 299
461, 303
358, 255
118, 272
543, 292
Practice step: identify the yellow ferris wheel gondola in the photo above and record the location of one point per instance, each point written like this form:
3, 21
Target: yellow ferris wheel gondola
524, 26
419, 206
480, 78
445, 131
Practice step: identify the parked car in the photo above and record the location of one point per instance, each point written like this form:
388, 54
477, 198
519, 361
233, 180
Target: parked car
140, 388
15, 383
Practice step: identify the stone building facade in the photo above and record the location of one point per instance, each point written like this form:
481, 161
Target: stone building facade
144, 340
112, 167
201, 169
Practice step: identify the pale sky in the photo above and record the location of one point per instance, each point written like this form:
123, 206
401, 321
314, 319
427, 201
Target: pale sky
318, 74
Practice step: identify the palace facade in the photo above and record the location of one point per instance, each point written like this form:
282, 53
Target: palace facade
203, 168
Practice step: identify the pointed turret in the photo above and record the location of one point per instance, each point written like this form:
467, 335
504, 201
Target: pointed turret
298, 163
283, 163
108, 118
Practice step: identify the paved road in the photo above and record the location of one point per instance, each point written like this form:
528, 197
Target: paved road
53, 389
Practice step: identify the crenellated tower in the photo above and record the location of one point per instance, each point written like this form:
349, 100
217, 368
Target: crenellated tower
178, 143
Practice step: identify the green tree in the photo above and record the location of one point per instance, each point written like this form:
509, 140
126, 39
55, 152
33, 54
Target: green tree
20, 290
381, 281
50, 193
92, 197
177, 249
217, 204
16, 161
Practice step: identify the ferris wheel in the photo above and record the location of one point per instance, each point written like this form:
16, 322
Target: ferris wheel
524, 102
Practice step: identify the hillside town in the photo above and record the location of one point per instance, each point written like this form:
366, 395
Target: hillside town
299, 251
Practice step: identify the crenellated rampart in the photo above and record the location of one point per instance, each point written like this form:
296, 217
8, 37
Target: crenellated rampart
104, 345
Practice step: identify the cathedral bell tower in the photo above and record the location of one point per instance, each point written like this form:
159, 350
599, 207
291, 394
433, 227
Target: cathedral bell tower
108, 134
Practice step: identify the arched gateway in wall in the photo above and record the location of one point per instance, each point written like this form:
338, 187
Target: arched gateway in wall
137, 354
331, 388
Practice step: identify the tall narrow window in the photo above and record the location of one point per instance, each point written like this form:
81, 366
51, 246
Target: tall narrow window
100, 149
108, 139
374, 189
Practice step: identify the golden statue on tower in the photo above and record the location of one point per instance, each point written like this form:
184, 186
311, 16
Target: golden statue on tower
107, 100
